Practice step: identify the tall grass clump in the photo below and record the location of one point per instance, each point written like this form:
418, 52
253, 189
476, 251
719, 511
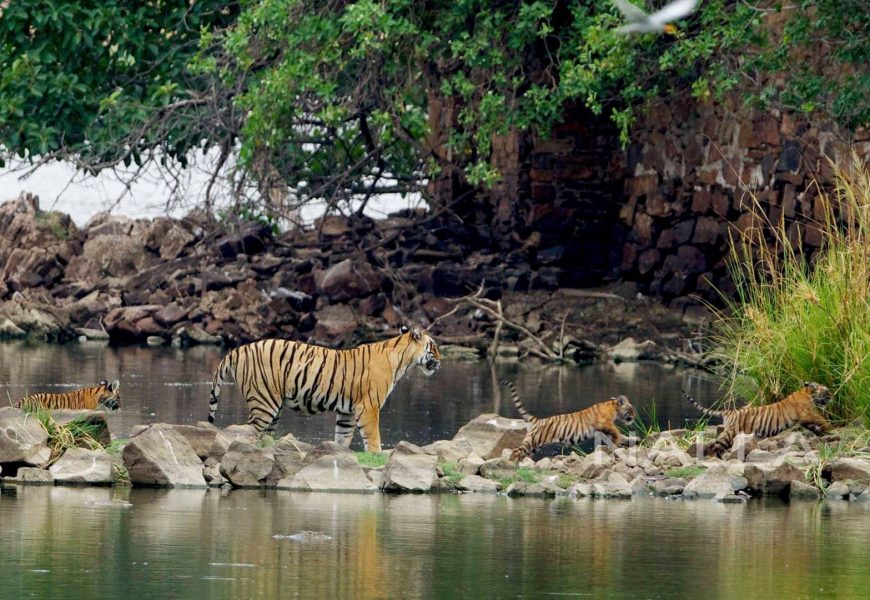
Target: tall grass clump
798, 318
76, 433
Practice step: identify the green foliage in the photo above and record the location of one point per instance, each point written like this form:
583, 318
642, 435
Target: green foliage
647, 424
372, 459
452, 473
265, 441
524, 474
77, 433
116, 446
793, 322
83, 77
849, 442
685, 472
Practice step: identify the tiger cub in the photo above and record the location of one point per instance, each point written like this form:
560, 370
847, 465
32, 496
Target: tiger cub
103, 394
800, 408
572, 428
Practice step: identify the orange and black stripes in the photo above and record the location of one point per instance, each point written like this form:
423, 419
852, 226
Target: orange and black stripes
105, 393
571, 428
799, 408
276, 374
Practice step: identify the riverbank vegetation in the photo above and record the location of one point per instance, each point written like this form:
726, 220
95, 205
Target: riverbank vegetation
803, 318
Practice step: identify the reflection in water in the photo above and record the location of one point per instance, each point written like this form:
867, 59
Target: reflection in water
172, 385
70, 542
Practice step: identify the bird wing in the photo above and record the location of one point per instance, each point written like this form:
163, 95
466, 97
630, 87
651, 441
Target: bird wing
674, 11
630, 11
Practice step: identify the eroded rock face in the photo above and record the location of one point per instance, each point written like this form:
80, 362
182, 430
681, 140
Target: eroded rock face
80, 465
489, 434
161, 456
22, 438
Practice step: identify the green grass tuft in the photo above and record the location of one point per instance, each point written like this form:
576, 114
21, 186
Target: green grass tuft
371, 459
76, 433
451, 472
522, 474
116, 446
794, 321
685, 472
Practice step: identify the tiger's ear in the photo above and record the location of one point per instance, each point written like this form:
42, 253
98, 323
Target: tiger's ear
621, 400
103, 383
417, 333
403, 329
114, 386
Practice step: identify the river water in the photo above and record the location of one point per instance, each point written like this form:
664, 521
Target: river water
172, 385
63, 542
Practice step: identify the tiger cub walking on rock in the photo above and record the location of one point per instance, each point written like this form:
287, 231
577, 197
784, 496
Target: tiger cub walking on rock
572, 428
800, 408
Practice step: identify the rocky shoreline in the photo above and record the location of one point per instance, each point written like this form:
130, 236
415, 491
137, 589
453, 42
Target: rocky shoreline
666, 464
346, 281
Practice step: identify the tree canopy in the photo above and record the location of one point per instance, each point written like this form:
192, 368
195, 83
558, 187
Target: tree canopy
344, 99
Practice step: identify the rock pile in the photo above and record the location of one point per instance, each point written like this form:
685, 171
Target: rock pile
666, 465
195, 280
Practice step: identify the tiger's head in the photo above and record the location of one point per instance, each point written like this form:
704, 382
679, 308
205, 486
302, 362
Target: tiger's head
624, 410
820, 394
109, 394
427, 356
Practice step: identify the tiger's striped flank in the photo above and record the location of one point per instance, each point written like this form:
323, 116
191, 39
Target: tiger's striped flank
572, 428
799, 408
276, 374
89, 398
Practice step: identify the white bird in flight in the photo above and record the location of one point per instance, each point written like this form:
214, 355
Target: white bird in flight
659, 21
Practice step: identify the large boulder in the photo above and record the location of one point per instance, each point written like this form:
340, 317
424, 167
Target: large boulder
449, 451
410, 473
476, 483
202, 438
38, 320
850, 468
773, 478
346, 280
489, 434
330, 467
108, 256
712, 482
590, 466
80, 465
22, 439
245, 465
162, 457
613, 485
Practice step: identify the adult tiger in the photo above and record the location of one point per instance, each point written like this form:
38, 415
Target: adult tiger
105, 394
572, 428
276, 374
799, 408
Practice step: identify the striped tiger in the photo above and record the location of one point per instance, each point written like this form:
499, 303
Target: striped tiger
105, 394
276, 374
799, 408
572, 428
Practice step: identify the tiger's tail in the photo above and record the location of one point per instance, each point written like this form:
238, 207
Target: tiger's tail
516, 398
706, 411
219, 376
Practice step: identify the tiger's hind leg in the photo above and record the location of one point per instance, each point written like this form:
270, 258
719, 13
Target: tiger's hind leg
260, 418
345, 423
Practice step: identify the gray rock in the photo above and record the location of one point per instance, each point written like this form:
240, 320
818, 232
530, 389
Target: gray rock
864, 498
228, 435
803, 491
669, 486
489, 434
475, 483
470, 465
837, 491
80, 465
408, 448
22, 438
730, 498
289, 443
614, 486
639, 487
630, 350
856, 469
33, 476
201, 439
162, 457
498, 468
410, 473
672, 458
336, 472
715, 480
592, 465
9, 330
761, 456
212, 475
287, 463
542, 489
773, 478
245, 465
449, 451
